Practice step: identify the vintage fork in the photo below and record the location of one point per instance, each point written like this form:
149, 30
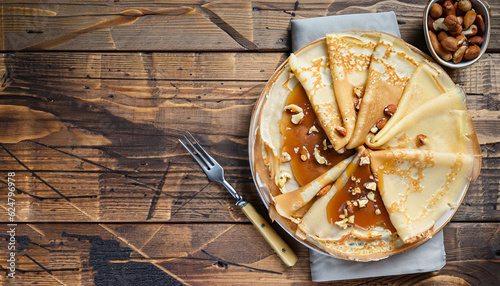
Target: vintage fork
215, 173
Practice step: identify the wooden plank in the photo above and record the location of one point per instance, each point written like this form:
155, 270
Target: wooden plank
186, 196
83, 254
151, 66
189, 25
106, 149
29, 67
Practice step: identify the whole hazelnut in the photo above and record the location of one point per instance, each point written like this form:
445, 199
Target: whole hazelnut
436, 10
451, 22
464, 5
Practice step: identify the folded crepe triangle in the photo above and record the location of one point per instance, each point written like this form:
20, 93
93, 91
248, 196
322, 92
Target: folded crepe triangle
419, 186
349, 79
391, 67
428, 126
313, 72
425, 84
287, 204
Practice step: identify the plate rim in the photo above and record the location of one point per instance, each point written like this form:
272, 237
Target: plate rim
255, 118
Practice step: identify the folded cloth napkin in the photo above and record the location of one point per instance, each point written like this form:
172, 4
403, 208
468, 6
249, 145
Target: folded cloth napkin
305, 31
430, 256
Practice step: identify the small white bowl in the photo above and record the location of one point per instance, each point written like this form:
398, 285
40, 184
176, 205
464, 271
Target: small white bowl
481, 8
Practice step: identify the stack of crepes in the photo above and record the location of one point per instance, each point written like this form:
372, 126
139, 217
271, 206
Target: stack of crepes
364, 145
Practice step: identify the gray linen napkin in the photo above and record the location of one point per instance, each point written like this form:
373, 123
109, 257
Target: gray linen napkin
430, 256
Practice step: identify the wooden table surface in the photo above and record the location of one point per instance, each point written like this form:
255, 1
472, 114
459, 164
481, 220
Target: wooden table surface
93, 97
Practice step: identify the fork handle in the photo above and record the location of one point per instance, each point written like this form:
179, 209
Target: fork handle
277, 243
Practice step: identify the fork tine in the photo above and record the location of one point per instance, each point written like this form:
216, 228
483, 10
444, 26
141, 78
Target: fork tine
211, 160
198, 153
196, 157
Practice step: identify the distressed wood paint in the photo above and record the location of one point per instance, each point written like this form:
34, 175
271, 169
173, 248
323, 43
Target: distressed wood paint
105, 192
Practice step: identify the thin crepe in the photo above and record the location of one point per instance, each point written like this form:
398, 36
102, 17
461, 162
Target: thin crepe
444, 130
420, 186
287, 204
391, 67
349, 79
313, 72
425, 84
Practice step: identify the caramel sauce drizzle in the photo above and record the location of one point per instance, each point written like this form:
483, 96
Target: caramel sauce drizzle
349, 196
298, 136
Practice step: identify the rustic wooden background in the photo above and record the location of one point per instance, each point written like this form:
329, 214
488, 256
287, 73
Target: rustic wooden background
93, 96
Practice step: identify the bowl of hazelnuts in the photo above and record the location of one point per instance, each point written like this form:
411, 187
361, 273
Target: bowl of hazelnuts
457, 32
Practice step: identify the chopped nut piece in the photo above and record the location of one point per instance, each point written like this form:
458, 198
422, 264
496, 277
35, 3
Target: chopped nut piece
320, 159
351, 219
350, 207
381, 123
296, 150
342, 224
286, 157
304, 154
377, 211
355, 203
390, 109
324, 190
371, 186
342, 216
362, 203
283, 178
356, 190
357, 103
358, 91
298, 113
294, 108
297, 118
341, 130
374, 129
325, 146
312, 129
365, 160
353, 178
371, 196
421, 138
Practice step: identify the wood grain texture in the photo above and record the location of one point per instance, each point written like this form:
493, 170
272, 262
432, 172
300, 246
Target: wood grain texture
188, 25
112, 153
200, 254
93, 97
